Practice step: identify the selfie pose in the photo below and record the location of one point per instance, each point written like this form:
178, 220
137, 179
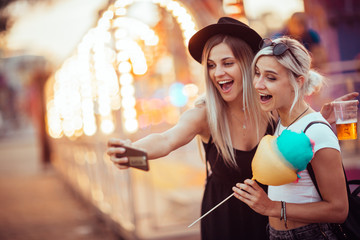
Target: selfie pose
229, 122
282, 78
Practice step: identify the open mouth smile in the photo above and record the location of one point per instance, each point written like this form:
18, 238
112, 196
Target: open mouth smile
226, 85
265, 97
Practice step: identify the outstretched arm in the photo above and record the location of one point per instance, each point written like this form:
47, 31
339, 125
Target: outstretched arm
191, 123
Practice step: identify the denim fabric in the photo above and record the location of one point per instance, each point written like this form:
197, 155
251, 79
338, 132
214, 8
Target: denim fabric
318, 231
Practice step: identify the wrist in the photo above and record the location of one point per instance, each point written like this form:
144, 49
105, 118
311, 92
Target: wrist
275, 209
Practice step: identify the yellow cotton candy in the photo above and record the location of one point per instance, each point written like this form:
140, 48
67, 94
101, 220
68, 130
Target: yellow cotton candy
268, 166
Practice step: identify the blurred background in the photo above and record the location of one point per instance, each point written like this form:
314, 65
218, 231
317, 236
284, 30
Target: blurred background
74, 73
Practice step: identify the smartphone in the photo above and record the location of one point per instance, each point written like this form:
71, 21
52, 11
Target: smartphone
137, 158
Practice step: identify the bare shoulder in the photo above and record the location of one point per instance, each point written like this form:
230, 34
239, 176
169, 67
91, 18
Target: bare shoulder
196, 118
327, 156
195, 115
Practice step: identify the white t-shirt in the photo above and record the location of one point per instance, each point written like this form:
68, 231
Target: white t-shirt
304, 191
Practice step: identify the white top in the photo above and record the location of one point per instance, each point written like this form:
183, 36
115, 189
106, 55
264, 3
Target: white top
304, 190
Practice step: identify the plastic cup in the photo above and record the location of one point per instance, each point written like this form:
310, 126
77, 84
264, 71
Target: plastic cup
346, 119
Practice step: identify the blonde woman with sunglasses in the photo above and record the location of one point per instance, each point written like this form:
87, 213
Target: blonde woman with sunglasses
282, 78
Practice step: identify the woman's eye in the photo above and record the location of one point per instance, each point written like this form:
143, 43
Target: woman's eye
271, 78
228, 63
210, 65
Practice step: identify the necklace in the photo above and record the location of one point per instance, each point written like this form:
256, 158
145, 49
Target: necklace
294, 120
238, 119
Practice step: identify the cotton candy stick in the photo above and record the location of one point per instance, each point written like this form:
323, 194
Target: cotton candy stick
211, 210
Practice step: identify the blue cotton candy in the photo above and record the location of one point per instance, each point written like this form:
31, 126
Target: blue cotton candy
296, 148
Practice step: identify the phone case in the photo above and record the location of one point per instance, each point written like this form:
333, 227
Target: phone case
137, 158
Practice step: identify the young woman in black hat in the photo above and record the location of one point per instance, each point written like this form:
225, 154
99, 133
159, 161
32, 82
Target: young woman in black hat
230, 123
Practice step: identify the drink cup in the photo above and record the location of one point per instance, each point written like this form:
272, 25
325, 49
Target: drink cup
346, 119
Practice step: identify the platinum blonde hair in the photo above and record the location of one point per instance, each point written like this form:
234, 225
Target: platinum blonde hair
217, 107
301, 66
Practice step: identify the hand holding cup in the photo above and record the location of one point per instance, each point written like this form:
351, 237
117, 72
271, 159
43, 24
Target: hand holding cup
346, 119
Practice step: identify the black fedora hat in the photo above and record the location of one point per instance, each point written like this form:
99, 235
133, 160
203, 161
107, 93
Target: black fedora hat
225, 25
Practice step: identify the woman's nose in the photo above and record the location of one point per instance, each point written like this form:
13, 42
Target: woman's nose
259, 83
219, 71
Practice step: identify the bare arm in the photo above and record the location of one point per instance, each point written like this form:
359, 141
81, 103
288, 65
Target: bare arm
190, 124
330, 178
329, 174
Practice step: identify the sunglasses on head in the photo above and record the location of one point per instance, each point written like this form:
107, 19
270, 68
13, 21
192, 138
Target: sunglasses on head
278, 48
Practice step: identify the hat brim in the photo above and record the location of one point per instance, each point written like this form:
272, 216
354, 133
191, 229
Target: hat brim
198, 40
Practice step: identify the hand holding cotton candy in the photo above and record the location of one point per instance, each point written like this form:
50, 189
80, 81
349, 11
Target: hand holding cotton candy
277, 160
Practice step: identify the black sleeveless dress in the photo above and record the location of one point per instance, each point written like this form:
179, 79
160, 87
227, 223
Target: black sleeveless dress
233, 219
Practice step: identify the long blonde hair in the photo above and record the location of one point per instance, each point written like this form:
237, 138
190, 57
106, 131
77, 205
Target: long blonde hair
215, 105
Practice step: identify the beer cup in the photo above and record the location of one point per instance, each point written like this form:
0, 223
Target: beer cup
346, 119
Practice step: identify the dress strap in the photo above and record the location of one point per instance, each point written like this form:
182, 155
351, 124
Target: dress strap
207, 149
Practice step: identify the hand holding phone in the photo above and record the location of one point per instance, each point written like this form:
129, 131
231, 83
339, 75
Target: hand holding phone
137, 158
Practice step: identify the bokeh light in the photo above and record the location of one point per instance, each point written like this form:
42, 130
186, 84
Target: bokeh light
101, 76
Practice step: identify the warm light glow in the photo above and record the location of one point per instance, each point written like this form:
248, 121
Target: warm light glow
126, 79
152, 41
123, 3
182, 16
124, 67
127, 91
122, 56
99, 77
131, 125
115, 102
90, 129
120, 12
107, 126
190, 90
108, 15
128, 102
129, 113
282, 8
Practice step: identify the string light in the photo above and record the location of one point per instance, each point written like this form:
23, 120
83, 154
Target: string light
99, 77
